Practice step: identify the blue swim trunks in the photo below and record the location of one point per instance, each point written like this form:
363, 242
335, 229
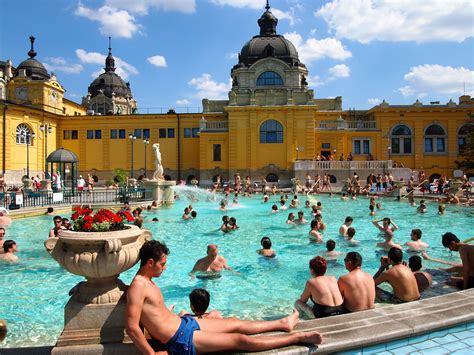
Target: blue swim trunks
182, 341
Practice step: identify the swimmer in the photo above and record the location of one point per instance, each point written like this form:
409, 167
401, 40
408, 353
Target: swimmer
307, 204
58, 225
223, 205
186, 213
5, 221
423, 279
387, 224
441, 209
372, 210
282, 205
225, 223
422, 207
344, 197
388, 244
266, 250
2, 236
265, 197
212, 262
314, 234
330, 252
199, 300
378, 205
274, 209
347, 224
301, 219
350, 236
321, 225
193, 214
416, 244
232, 224
9, 250
291, 218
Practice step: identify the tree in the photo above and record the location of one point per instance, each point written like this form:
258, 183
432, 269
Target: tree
467, 149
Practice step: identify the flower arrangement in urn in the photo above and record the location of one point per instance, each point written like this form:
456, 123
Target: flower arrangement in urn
102, 221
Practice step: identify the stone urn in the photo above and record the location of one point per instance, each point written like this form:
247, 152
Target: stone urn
95, 313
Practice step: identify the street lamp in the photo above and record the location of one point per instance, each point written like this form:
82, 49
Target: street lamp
145, 143
132, 139
46, 129
28, 137
389, 149
297, 150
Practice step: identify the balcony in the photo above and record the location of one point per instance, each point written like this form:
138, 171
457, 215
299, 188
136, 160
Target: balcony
309, 165
213, 126
342, 124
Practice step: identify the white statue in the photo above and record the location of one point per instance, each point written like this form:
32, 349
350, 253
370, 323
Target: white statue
158, 174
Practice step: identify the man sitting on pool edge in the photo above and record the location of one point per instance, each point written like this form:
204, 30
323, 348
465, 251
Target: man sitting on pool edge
186, 335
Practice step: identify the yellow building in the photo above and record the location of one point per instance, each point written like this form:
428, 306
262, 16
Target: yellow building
271, 126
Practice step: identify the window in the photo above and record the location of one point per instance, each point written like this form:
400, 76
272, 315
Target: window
113, 134
464, 131
269, 78
146, 133
271, 131
90, 134
187, 133
401, 140
137, 133
98, 134
121, 134
325, 145
170, 132
217, 152
23, 134
162, 133
435, 139
66, 134
361, 146
195, 133
74, 134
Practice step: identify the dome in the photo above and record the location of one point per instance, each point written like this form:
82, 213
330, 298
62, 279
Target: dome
109, 82
34, 69
62, 156
268, 44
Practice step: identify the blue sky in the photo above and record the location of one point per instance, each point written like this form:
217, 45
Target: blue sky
176, 52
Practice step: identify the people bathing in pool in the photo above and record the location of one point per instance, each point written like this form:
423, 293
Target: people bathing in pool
423, 279
388, 243
347, 223
350, 236
291, 218
398, 275
266, 250
331, 253
314, 234
416, 245
387, 224
9, 250
466, 270
199, 300
212, 262
146, 307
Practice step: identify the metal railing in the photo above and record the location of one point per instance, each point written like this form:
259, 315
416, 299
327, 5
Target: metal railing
22, 199
334, 125
343, 165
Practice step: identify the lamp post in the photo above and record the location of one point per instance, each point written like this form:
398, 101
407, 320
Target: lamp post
389, 149
132, 139
145, 143
46, 129
297, 151
28, 138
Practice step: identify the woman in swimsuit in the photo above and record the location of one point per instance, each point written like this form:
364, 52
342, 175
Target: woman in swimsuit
322, 290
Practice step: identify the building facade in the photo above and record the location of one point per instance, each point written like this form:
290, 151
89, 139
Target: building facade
271, 120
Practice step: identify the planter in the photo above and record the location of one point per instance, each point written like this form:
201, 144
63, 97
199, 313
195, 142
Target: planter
94, 317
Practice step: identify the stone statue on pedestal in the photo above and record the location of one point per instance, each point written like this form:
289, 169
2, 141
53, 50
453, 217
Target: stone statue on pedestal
158, 174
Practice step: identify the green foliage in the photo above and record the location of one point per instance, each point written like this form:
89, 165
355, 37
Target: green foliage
467, 154
120, 176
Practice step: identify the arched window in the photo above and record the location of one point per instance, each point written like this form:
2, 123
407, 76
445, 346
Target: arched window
401, 140
272, 177
271, 131
462, 137
435, 139
269, 78
24, 135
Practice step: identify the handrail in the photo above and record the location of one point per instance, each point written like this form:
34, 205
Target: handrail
414, 189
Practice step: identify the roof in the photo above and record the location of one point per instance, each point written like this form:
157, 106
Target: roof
62, 156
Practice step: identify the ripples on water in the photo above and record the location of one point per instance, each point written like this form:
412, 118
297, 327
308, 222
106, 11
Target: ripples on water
33, 292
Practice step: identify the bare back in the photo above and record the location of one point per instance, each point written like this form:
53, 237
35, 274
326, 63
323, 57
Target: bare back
206, 264
324, 291
403, 282
358, 290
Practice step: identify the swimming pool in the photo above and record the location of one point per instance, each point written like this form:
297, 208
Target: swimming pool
34, 291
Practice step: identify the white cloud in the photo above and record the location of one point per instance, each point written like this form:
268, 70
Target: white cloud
232, 55
374, 101
401, 20
340, 71
259, 5
208, 88
313, 49
55, 64
141, 7
157, 61
315, 81
183, 102
436, 79
124, 69
113, 22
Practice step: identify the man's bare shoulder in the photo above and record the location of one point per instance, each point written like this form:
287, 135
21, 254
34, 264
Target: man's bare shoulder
139, 282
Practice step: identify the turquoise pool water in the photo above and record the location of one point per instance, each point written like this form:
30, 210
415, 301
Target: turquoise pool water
34, 291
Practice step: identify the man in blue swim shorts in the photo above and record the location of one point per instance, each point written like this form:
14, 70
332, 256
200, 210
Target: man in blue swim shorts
186, 335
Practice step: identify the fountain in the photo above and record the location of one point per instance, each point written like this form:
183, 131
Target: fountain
194, 193
162, 191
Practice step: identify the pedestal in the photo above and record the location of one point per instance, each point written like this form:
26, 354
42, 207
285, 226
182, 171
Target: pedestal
162, 190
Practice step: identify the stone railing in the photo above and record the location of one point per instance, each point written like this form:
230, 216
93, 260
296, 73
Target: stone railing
343, 165
340, 124
213, 126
